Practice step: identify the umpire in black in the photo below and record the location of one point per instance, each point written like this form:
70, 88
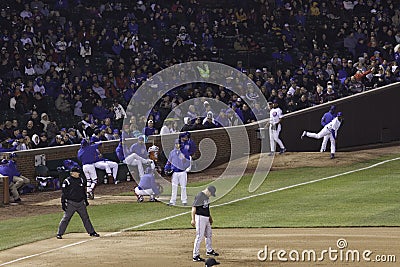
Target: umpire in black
73, 199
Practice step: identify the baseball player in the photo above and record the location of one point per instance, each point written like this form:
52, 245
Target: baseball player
202, 220
327, 118
329, 130
74, 199
139, 156
275, 118
178, 164
188, 146
5, 171
109, 166
87, 155
147, 186
16, 179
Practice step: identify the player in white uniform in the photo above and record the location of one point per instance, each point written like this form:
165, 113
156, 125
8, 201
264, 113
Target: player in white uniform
329, 130
275, 118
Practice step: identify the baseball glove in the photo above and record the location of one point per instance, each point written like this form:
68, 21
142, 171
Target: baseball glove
169, 172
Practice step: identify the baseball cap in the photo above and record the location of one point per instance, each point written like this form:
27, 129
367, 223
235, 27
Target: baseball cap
176, 141
94, 139
63, 130
339, 114
332, 107
212, 190
116, 131
211, 262
141, 138
75, 169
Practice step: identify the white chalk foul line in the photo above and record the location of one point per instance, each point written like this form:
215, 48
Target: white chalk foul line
218, 205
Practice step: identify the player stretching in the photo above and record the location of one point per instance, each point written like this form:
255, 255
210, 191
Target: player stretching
87, 155
329, 130
327, 118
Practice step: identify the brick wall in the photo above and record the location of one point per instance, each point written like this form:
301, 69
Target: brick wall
364, 124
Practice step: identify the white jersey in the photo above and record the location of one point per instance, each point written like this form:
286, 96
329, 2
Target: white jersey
334, 124
275, 115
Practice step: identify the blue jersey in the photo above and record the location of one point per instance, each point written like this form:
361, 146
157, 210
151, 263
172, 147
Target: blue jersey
149, 131
9, 169
327, 118
119, 150
139, 149
88, 154
177, 161
148, 181
188, 148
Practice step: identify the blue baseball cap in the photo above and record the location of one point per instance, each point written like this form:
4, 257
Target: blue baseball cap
116, 131
94, 139
339, 114
84, 142
177, 141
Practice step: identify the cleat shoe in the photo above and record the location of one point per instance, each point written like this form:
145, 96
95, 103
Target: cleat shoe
332, 156
283, 150
140, 198
154, 200
116, 182
18, 200
197, 258
91, 195
95, 234
303, 134
184, 204
212, 253
271, 154
171, 204
59, 236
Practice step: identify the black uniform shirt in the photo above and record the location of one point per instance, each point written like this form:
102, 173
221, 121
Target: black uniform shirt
201, 202
74, 189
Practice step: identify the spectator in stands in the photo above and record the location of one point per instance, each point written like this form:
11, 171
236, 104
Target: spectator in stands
43, 142
63, 105
149, 129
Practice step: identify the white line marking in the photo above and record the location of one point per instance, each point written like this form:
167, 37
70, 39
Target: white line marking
187, 212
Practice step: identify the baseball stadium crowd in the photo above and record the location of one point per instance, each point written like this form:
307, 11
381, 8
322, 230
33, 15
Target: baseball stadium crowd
70, 67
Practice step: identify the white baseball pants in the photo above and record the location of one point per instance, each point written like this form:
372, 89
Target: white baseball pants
179, 178
203, 230
135, 160
110, 167
324, 143
274, 138
144, 192
91, 176
324, 132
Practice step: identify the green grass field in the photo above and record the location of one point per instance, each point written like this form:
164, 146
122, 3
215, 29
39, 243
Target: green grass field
365, 198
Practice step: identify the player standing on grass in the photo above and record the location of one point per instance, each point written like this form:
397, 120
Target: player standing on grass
179, 165
327, 118
329, 130
74, 199
202, 220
